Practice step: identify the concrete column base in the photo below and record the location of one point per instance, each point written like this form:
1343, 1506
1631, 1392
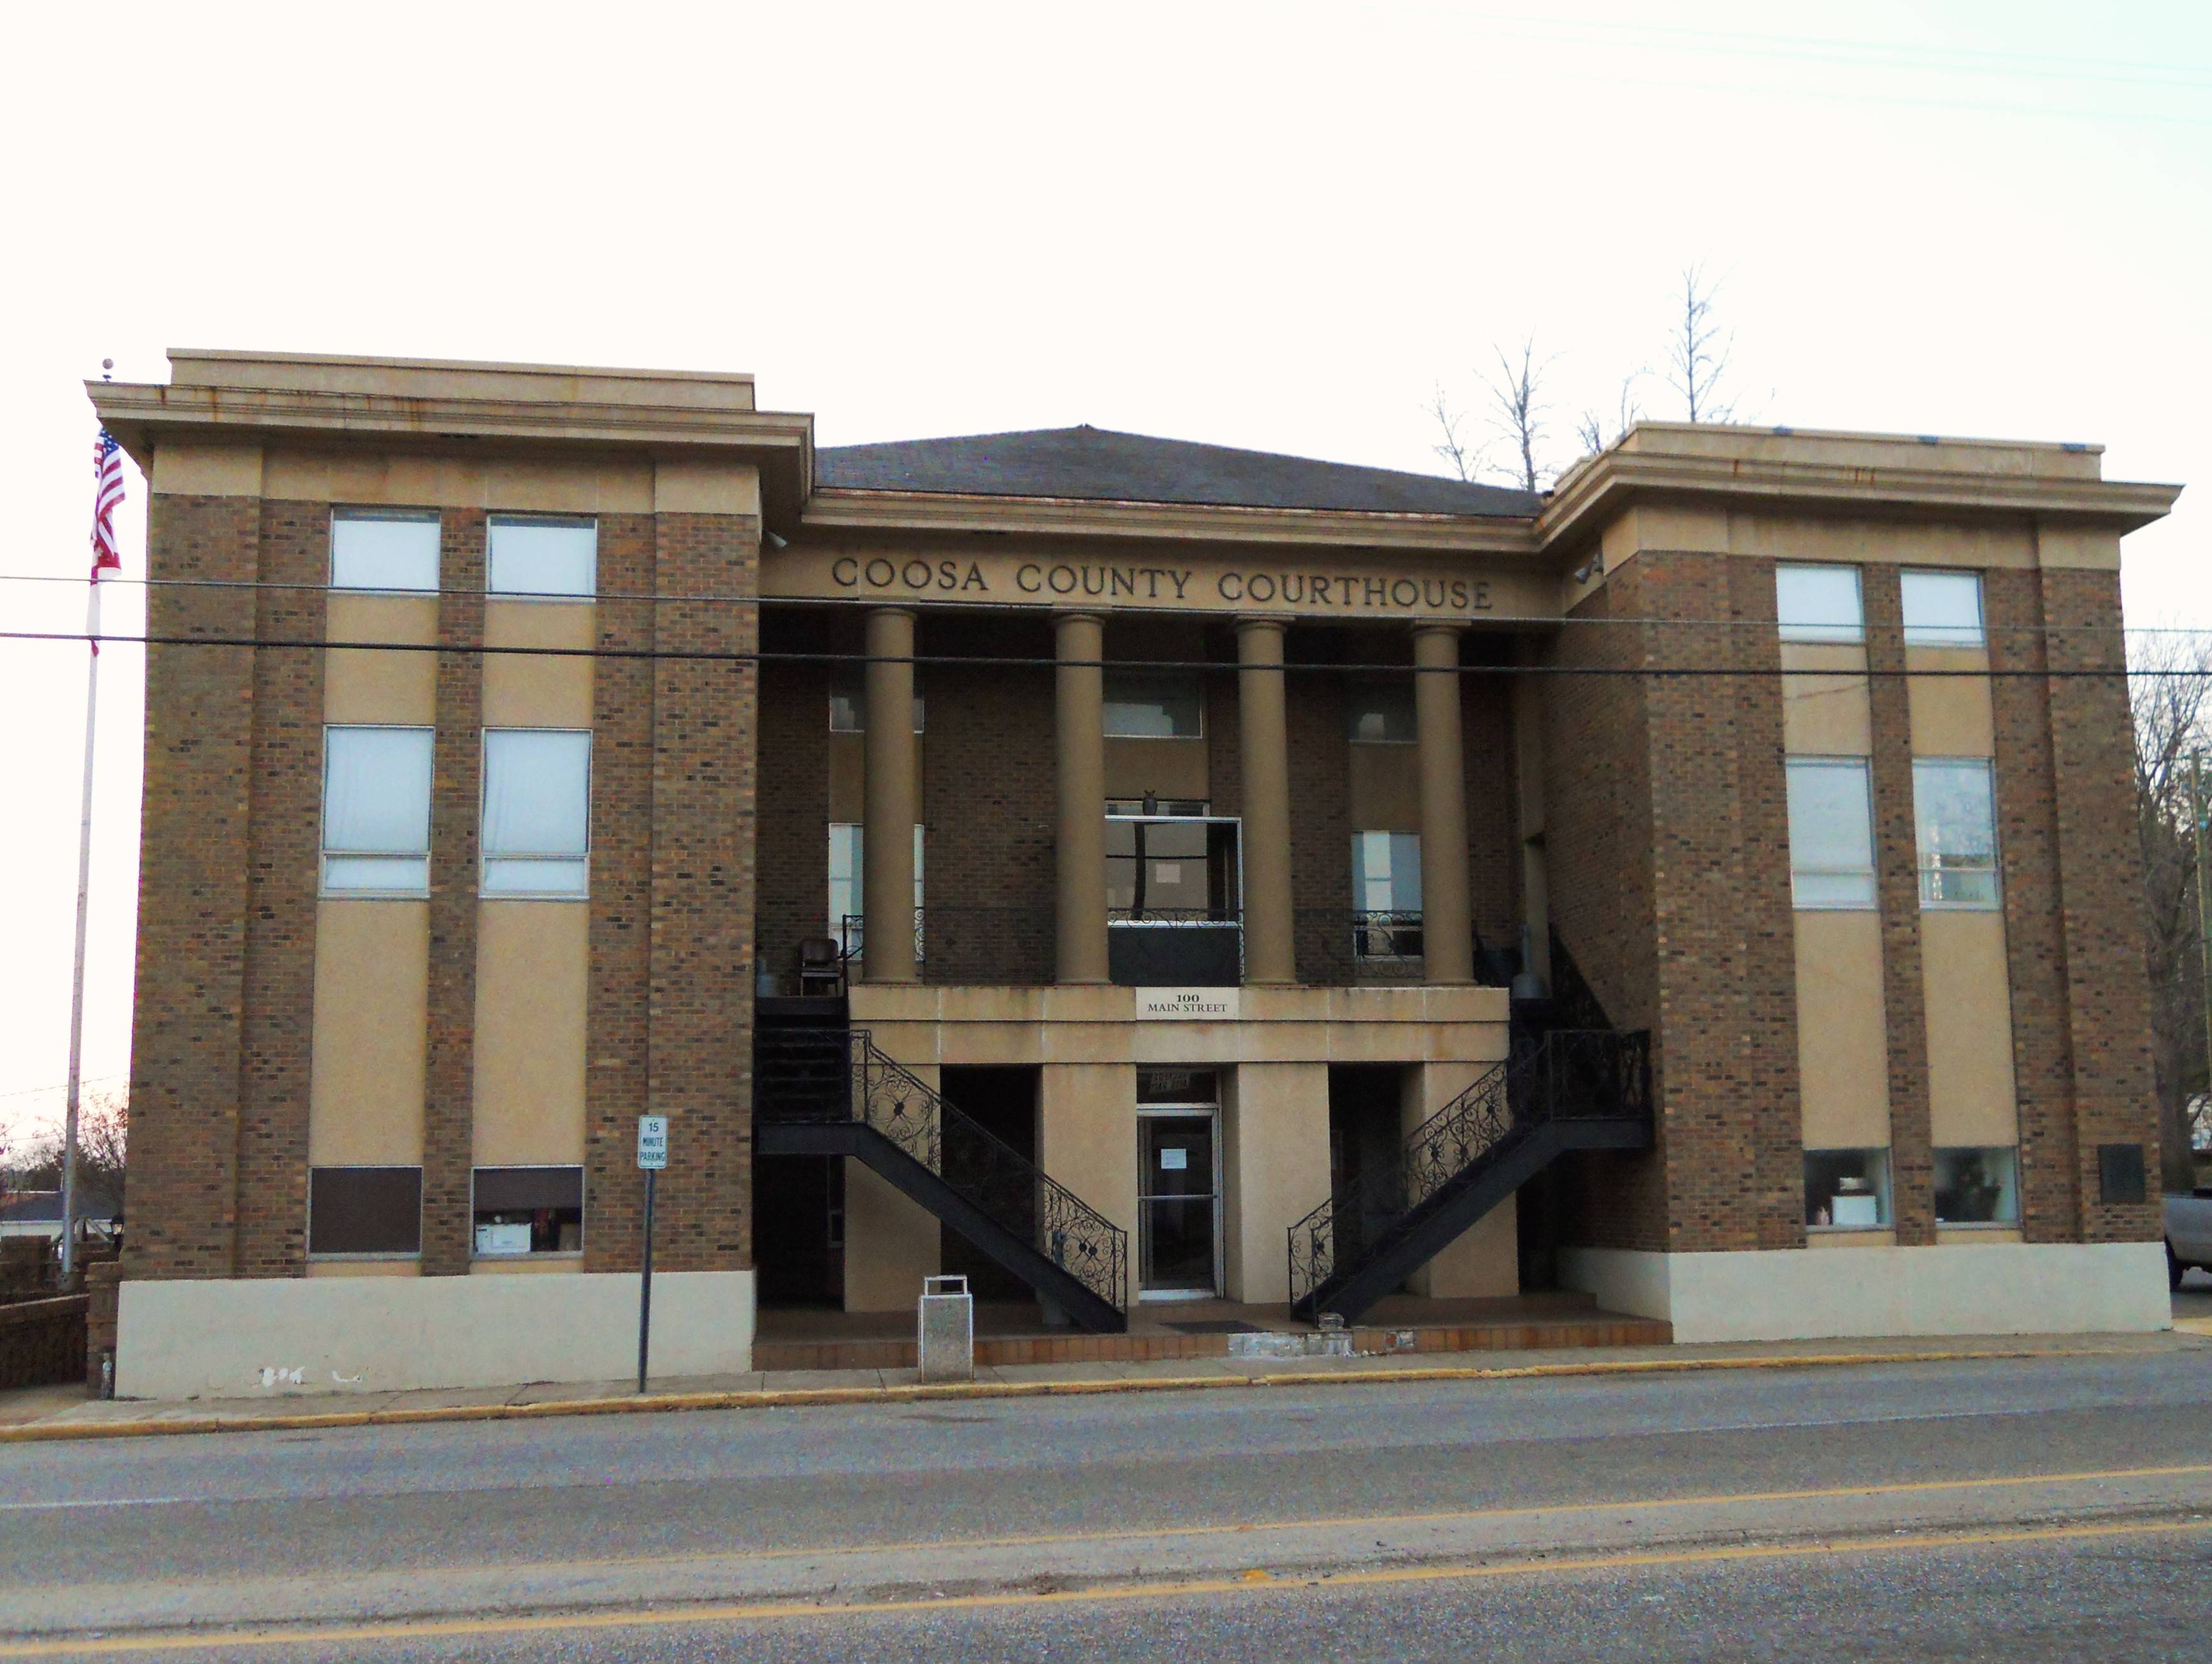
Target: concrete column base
195, 1338
1796, 1294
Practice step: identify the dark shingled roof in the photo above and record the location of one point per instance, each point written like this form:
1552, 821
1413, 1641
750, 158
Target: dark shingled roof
1097, 462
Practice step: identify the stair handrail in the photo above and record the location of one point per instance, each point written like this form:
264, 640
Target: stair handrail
1568, 1074
912, 1115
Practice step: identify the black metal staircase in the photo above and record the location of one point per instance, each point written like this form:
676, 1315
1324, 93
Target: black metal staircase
1562, 1090
823, 1088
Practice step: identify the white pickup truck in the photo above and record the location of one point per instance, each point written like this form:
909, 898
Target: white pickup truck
2188, 1232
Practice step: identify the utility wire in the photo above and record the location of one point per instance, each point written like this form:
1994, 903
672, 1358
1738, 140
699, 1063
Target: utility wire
1040, 609
972, 661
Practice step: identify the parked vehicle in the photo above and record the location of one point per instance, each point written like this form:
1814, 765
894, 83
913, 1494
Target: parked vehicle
2187, 1233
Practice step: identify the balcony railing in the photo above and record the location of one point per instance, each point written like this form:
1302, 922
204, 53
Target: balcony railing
970, 946
1194, 947
1175, 947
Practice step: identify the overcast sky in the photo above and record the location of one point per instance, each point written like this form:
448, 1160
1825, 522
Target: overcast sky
1277, 226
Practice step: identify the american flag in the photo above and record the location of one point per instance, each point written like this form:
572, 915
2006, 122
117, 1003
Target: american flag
107, 497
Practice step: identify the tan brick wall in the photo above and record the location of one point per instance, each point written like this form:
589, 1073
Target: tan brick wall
2101, 885
456, 789
700, 1055
793, 851
614, 1007
185, 1026
284, 820
1897, 882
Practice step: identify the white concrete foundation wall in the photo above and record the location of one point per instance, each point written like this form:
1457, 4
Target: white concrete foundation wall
367, 1334
2005, 1288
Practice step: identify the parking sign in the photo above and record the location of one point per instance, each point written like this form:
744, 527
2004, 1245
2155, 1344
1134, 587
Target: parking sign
651, 1142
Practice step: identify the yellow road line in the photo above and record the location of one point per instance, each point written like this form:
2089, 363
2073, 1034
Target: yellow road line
1255, 1581
1361, 1521
788, 1398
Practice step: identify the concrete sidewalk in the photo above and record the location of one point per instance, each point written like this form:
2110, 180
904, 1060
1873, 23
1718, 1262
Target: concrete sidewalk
62, 1413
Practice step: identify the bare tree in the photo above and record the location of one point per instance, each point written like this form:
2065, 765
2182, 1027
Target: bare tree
2171, 696
1517, 411
1465, 460
1697, 351
1590, 428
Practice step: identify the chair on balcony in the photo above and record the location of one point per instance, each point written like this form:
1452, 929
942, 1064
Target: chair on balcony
821, 969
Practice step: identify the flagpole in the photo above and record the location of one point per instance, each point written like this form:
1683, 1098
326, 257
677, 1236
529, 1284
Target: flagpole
77, 981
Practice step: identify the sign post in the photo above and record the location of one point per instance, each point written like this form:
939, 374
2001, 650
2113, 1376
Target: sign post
651, 1157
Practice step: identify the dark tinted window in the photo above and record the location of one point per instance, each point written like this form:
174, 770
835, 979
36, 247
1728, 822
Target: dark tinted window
365, 1210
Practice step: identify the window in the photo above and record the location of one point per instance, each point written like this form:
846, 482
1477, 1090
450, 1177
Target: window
541, 556
376, 812
365, 1210
847, 876
1817, 603
1953, 804
1142, 705
1942, 609
848, 705
529, 1210
537, 811
392, 552
1847, 1189
1831, 833
1386, 896
1976, 1187
1380, 713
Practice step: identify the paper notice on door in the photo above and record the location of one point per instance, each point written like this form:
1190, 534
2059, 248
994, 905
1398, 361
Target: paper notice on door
1174, 1161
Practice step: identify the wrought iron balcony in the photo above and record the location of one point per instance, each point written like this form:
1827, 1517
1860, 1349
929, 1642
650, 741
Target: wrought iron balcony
1175, 947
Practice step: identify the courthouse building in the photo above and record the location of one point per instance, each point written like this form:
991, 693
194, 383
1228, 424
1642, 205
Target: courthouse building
1121, 870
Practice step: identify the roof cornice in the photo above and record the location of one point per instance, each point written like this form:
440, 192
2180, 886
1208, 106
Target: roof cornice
144, 415
1592, 493
846, 510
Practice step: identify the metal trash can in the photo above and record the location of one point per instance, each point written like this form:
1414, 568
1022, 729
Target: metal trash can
945, 1346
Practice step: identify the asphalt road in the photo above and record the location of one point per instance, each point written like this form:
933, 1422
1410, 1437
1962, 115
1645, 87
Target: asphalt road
2045, 1508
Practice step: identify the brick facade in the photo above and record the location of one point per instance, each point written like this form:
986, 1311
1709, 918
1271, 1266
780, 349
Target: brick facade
456, 791
186, 1023
616, 1056
283, 818
699, 1001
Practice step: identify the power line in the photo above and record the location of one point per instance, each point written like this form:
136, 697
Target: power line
1038, 609
1016, 661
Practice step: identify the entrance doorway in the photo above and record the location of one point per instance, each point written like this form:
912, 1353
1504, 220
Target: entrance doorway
1002, 1101
1178, 1184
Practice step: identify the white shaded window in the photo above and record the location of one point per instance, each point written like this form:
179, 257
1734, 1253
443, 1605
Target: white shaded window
1942, 609
1145, 705
1954, 809
1978, 1186
543, 556
846, 876
390, 552
1380, 713
1831, 833
1819, 603
848, 706
537, 811
1386, 896
376, 812
1847, 1189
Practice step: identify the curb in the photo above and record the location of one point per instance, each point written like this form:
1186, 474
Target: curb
794, 1398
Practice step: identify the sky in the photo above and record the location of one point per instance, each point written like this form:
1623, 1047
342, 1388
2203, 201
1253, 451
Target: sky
1281, 226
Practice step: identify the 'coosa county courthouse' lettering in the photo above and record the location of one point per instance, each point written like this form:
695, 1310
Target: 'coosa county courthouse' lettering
1036, 580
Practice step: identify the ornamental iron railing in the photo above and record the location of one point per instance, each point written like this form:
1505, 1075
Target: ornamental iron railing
982, 1169
1175, 947
1565, 1076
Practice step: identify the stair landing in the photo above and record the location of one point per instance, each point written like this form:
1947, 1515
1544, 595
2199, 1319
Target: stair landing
791, 1338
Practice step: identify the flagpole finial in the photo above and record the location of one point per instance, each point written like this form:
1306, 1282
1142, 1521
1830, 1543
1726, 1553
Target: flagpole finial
107, 366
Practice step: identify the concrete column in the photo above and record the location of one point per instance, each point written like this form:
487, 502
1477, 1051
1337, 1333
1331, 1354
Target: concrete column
887, 828
1079, 752
1264, 748
1446, 927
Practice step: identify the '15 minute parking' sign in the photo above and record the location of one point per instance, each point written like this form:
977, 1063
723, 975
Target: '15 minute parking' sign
651, 1142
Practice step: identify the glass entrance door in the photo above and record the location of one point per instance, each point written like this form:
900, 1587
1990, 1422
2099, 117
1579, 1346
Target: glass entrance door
1178, 1204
